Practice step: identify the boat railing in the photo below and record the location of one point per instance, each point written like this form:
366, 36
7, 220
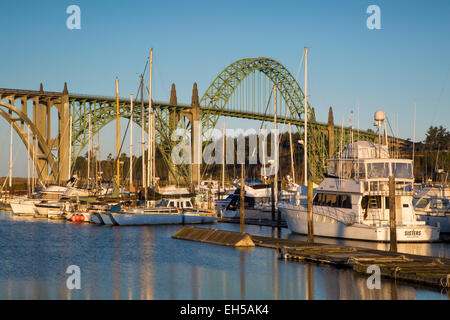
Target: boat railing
338, 214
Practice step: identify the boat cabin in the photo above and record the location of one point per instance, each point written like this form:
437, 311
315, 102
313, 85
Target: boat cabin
175, 203
359, 182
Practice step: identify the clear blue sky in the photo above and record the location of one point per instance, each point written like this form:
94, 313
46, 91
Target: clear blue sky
407, 60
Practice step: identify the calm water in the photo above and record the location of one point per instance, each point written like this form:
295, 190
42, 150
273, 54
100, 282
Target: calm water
146, 263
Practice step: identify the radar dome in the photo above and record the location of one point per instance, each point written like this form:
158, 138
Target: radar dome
379, 115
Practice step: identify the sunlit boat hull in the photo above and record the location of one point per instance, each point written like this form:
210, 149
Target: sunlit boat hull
120, 219
323, 226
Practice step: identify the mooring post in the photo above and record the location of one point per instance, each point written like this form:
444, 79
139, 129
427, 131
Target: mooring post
392, 223
242, 208
209, 197
310, 211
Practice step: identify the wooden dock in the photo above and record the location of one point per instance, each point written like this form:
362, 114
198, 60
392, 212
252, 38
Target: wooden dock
419, 269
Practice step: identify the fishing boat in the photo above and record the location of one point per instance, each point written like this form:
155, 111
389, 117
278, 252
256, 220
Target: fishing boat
352, 201
432, 205
167, 211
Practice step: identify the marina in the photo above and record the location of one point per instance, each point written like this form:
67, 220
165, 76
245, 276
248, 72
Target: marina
159, 267
225, 151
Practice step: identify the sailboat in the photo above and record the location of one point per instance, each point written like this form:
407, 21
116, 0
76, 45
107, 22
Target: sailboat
169, 210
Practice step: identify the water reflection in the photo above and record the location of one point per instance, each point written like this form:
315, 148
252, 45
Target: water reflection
439, 249
146, 263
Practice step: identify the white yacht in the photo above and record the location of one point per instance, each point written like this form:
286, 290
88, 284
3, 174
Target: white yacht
352, 202
257, 197
432, 205
167, 211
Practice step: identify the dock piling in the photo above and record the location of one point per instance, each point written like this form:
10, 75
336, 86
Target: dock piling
392, 222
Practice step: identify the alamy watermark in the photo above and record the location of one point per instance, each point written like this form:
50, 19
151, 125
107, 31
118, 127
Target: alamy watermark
374, 281
74, 20
74, 280
374, 20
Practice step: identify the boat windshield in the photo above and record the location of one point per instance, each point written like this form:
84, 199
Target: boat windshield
402, 170
163, 203
378, 170
422, 203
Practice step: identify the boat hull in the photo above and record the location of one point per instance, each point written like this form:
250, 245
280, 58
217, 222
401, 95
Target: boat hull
120, 219
24, 208
324, 226
443, 221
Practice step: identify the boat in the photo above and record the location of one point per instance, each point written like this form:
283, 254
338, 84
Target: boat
432, 205
257, 196
48, 209
81, 211
23, 206
167, 211
352, 201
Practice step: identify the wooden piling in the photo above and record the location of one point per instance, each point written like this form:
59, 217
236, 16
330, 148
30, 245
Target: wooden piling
392, 222
310, 211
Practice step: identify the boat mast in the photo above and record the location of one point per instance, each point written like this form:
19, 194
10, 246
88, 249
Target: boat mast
118, 133
150, 122
264, 153
305, 144
131, 142
414, 133
70, 147
223, 155
10, 155
276, 142
144, 182
292, 153
28, 162
89, 152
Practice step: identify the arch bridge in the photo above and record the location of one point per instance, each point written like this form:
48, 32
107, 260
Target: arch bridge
242, 90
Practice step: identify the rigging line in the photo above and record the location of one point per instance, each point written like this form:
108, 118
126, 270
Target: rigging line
267, 107
440, 95
14, 161
296, 82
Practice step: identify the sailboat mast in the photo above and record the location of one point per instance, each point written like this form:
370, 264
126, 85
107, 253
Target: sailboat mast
292, 153
305, 144
118, 132
153, 148
131, 142
144, 184
276, 142
28, 162
223, 155
10, 155
89, 152
70, 147
150, 122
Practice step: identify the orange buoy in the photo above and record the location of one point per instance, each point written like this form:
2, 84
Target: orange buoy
82, 217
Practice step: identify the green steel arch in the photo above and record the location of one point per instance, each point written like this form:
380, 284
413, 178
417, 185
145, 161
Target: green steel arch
224, 85
222, 88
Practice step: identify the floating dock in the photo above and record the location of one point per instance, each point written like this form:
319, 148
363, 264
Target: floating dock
227, 238
419, 269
